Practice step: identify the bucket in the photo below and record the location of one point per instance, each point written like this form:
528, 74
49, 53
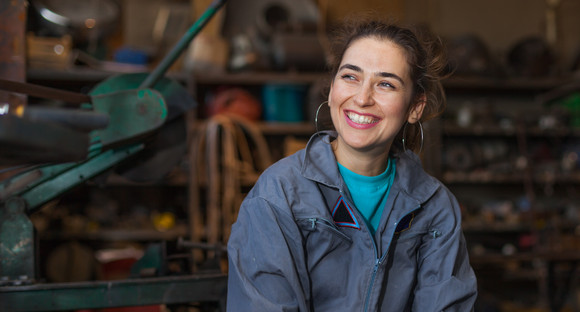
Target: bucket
283, 102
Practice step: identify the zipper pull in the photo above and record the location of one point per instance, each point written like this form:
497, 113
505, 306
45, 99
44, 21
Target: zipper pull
313, 221
435, 233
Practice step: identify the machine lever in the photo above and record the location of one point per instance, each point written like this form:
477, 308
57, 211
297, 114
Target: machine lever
82, 120
43, 92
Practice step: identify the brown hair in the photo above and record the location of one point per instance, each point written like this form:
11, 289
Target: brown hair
425, 55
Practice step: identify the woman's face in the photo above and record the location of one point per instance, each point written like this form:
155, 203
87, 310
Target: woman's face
370, 96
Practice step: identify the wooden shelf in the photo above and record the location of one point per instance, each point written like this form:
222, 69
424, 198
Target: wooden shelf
86, 74
486, 130
490, 258
482, 177
486, 177
281, 128
257, 78
512, 84
496, 227
276, 128
83, 74
476, 130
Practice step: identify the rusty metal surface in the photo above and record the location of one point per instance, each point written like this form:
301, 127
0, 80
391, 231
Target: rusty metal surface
12, 48
119, 293
16, 244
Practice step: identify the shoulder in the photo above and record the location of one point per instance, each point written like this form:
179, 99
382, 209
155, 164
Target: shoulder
412, 179
284, 171
279, 183
427, 190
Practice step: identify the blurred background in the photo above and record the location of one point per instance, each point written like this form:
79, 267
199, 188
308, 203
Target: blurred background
507, 145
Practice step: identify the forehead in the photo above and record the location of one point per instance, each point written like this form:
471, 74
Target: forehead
377, 55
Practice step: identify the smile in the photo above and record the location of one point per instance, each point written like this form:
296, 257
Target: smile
361, 119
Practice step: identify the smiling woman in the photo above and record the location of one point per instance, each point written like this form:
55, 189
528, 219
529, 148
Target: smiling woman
370, 99
425, 56
353, 222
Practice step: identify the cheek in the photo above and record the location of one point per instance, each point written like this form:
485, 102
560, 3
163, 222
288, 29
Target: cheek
332, 98
334, 110
333, 102
339, 91
395, 106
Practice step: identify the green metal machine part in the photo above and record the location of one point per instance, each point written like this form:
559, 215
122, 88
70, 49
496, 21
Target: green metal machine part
136, 108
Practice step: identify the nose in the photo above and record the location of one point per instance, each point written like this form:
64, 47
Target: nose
364, 95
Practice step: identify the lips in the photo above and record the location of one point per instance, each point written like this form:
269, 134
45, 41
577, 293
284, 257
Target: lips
361, 121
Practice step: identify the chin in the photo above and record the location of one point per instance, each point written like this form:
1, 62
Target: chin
357, 143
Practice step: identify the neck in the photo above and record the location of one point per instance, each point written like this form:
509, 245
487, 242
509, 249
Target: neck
367, 163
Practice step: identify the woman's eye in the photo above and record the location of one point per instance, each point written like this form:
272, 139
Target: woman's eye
347, 77
386, 85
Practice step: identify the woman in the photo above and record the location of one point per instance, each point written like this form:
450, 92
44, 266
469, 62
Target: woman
353, 222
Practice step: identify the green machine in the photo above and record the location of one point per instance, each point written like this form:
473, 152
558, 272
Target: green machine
115, 120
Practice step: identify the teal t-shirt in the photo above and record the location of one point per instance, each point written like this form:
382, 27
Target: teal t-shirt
369, 193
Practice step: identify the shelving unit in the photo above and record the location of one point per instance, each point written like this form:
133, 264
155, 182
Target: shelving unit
480, 134
503, 155
485, 111
510, 228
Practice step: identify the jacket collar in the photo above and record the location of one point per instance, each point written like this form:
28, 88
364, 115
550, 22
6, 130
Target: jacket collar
319, 165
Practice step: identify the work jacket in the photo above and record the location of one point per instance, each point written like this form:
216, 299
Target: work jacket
299, 243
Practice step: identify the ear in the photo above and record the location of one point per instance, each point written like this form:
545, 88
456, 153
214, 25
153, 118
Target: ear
329, 93
417, 109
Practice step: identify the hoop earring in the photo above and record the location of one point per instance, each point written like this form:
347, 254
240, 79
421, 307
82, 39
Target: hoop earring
404, 135
316, 121
316, 116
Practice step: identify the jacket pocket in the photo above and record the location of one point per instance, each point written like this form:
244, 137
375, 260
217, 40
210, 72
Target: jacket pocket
320, 224
410, 235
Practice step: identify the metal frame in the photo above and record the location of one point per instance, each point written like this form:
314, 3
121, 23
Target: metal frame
107, 294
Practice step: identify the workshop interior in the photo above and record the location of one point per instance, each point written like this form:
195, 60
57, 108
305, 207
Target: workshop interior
131, 130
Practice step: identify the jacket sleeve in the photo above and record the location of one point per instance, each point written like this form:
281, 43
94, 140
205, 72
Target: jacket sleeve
445, 279
266, 267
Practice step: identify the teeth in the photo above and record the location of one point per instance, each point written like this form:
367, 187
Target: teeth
360, 119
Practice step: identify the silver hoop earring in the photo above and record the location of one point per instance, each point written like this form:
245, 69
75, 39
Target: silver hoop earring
316, 122
316, 116
405, 133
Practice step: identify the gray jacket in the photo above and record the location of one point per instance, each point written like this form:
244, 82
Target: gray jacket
299, 245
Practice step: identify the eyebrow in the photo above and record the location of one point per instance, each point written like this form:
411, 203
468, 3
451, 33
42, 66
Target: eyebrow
380, 74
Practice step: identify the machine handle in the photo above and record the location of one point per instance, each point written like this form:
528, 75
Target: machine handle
82, 120
43, 92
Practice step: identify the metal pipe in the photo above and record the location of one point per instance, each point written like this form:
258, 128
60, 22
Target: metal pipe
43, 92
77, 119
183, 43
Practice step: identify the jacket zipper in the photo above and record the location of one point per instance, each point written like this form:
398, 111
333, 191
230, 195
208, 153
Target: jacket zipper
377, 259
380, 260
373, 277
